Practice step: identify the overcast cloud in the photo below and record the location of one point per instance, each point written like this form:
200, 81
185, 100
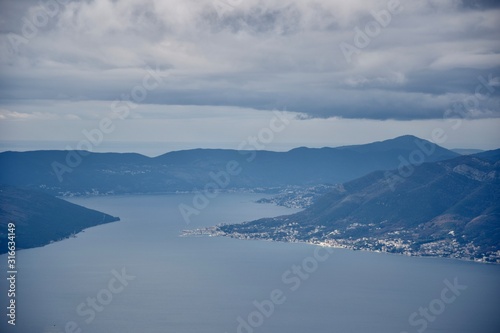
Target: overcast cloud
66, 61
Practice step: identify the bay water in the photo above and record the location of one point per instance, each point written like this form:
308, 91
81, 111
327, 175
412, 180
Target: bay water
139, 275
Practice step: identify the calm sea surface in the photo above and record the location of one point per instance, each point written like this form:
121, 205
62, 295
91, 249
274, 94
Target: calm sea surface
178, 284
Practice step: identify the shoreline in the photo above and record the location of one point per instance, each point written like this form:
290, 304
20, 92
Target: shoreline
211, 232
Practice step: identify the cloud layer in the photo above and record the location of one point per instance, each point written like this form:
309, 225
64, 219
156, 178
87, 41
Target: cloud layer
322, 58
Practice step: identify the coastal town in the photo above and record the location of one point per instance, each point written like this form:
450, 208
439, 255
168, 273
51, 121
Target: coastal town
445, 248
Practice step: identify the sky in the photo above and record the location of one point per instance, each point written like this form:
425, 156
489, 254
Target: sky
158, 75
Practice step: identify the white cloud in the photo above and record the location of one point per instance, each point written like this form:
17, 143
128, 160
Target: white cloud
24, 116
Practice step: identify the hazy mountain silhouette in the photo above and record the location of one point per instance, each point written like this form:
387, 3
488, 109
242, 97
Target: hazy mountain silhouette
84, 172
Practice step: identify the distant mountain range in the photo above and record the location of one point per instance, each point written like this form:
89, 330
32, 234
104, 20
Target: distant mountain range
404, 195
80, 172
466, 151
40, 218
449, 208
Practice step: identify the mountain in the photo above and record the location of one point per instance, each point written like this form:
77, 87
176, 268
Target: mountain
40, 218
82, 172
466, 151
449, 208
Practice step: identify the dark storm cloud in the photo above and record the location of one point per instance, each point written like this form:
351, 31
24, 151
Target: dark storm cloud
425, 59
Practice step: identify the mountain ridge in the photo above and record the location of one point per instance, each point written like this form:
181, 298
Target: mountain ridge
40, 218
448, 208
82, 172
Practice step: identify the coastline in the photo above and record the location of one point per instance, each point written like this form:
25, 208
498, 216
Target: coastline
215, 232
